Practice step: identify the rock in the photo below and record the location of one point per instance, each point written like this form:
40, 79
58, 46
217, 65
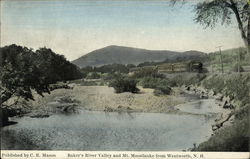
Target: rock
224, 120
5, 113
108, 109
231, 119
128, 108
119, 107
214, 127
59, 86
124, 109
211, 93
219, 117
203, 95
182, 92
223, 104
226, 98
226, 124
65, 99
227, 105
219, 97
64, 104
68, 107
188, 88
40, 116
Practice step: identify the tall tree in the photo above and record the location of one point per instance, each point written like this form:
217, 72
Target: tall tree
23, 70
211, 12
19, 75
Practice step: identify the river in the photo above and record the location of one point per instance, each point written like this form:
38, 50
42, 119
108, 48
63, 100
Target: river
95, 130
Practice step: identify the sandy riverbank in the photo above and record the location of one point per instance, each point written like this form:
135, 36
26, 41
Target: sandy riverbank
101, 98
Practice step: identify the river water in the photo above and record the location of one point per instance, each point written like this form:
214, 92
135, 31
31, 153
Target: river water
93, 130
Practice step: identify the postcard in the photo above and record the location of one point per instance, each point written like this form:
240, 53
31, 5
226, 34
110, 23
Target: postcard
125, 79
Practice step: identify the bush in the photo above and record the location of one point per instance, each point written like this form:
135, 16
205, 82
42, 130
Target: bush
147, 72
160, 85
124, 85
187, 79
216, 83
111, 76
93, 75
234, 85
242, 112
88, 83
151, 82
162, 91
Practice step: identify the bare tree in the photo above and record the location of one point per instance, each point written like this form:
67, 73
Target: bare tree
211, 12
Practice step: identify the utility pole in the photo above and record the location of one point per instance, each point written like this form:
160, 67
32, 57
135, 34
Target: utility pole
222, 71
239, 62
212, 61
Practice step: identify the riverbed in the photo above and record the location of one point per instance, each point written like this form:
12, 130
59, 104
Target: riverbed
98, 130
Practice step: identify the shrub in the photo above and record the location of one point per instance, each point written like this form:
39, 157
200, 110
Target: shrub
187, 79
84, 82
151, 82
88, 83
238, 87
93, 75
242, 112
147, 72
124, 85
67, 99
111, 76
234, 85
216, 83
162, 90
160, 85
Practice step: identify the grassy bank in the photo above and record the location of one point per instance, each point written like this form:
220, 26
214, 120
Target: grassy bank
235, 137
236, 87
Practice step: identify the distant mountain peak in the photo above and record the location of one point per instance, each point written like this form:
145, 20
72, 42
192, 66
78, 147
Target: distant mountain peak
129, 55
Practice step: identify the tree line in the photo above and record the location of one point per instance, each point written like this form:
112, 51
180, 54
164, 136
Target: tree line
109, 68
23, 70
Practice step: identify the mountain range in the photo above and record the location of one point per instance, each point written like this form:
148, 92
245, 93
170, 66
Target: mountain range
128, 55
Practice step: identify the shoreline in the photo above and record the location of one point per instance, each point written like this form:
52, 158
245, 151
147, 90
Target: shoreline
226, 118
103, 98
46, 111
50, 104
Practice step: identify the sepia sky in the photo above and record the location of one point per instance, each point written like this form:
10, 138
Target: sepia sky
76, 27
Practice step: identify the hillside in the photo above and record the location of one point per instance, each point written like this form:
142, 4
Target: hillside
127, 55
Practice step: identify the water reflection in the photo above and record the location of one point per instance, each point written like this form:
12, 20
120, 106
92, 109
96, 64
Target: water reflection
92, 130
205, 106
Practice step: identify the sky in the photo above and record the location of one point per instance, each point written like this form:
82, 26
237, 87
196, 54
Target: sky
76, 27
